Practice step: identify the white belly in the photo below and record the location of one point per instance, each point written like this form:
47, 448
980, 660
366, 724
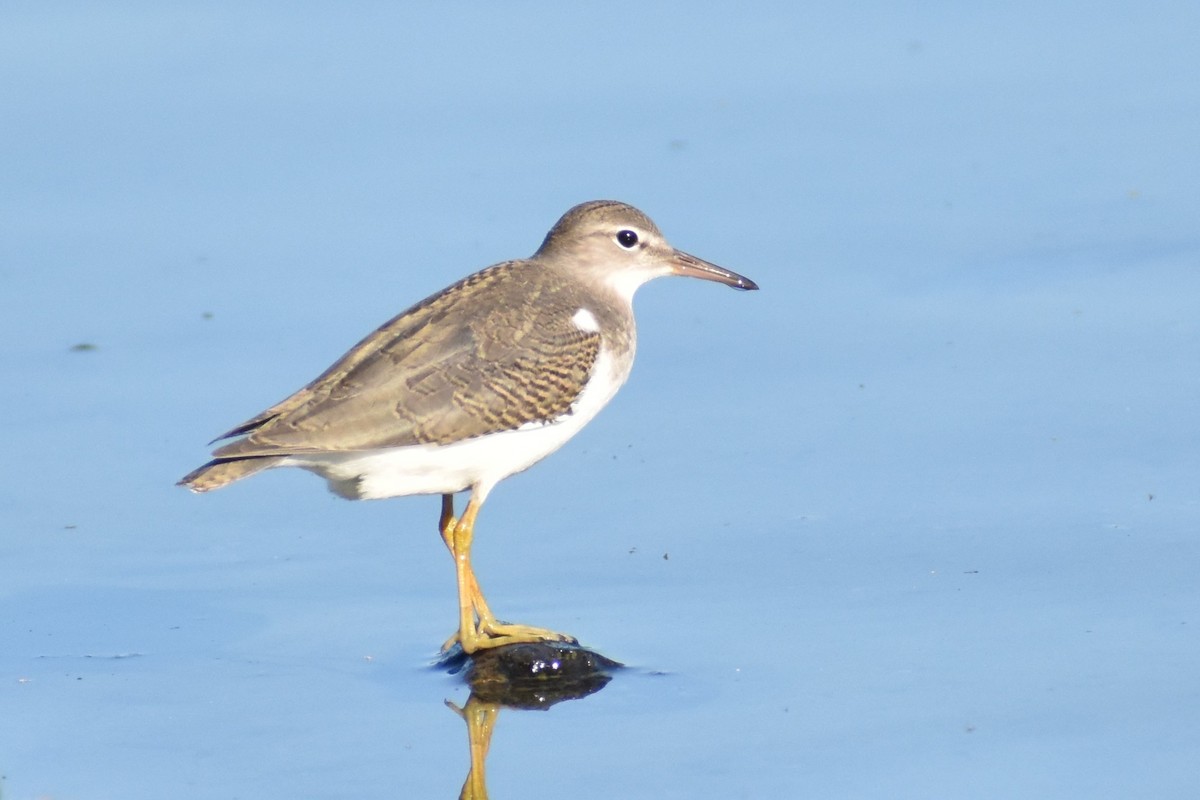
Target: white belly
478, 464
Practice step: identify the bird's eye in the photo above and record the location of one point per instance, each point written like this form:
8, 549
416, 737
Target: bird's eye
627, 239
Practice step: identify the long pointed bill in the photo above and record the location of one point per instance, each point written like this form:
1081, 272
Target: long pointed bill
692, 267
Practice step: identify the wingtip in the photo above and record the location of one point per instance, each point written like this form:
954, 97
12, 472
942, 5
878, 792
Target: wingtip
187, 485
223, 471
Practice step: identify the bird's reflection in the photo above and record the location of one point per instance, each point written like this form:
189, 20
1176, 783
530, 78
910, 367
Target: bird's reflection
480, 716
527, 676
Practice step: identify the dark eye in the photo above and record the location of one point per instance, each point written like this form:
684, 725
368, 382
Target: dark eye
627, 239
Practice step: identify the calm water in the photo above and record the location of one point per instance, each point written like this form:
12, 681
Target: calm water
919, 519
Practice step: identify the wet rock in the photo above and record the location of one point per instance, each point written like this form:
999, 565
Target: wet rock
537, 674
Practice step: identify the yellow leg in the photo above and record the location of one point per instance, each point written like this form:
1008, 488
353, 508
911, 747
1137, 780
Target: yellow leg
478, 628
481, 719
447, 527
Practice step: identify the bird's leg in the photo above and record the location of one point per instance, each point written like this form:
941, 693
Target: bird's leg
446, 526
473, 610
478, 628
471, 604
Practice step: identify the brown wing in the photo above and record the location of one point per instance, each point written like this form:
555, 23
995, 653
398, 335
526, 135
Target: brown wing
491, 353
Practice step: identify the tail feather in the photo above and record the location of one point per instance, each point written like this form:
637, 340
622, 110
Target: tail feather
222, 471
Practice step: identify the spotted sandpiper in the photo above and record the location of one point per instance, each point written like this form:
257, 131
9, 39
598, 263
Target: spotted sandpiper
474, 384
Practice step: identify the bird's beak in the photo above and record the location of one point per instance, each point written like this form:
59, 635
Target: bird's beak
689, 266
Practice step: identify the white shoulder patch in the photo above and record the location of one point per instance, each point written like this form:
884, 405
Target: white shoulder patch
586, 321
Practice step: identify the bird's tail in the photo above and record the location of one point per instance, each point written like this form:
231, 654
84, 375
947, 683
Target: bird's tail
222, 471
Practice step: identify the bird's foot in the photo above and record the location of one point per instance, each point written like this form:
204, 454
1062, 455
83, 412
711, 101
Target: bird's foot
494, 628
491, 632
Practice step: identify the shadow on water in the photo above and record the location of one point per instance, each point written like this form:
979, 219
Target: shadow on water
529, 676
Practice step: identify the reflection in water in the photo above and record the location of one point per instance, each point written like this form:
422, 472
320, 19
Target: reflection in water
480, 716
533, 675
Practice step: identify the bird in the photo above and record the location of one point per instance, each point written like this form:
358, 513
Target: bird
475, 383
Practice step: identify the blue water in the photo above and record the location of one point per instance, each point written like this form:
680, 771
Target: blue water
919, 519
